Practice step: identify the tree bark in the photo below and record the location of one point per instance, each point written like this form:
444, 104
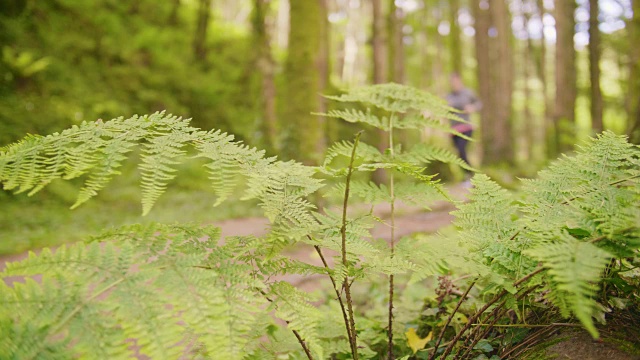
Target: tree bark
173, 16
266, 67
566, 90
378, 52
396, 45
202, 26
548, 132
304, 78
495, 78
633, 92
503, 73
456, 50
530, 134
595, 52
482, 25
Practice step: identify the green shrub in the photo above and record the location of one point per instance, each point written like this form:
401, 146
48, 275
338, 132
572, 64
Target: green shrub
168, 291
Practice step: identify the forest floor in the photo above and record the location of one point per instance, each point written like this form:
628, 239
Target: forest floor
576, 344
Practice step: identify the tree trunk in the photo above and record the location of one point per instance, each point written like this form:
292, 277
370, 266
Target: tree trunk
564, 109
482, 25
548, 133
304, 72
266, 67
396, 45
378, 51
529, 133
202, 26
503, 73
633, 92
495, 78
173, 16
594, 67
456, 50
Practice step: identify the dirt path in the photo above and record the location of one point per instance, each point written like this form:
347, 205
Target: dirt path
410, 219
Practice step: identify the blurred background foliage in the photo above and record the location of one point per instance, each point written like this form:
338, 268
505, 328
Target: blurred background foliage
549, 72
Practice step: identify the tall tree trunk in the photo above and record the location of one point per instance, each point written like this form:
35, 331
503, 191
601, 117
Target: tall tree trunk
529, 133
548, 133
304, 72
594, 67
495, 78
173, 16
633, 92
396, 45
202, 26
482, 25
566, 90
456, 50
378, 51
266, 67
503, 73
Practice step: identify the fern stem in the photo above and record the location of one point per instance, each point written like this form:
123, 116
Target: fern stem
529, 325
393, 239
73, 313
475, 316
343, 233
464, 296
338, 296
297, 334
497, 314
303, 344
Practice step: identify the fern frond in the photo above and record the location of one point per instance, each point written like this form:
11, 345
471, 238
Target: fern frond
574, 269
356, 116
294, 306
422, 154
395, 98
147, 285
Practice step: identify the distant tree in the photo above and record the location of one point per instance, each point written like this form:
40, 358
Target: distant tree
495, 78
396, 72
378, 53
266, 68
541, 67
633, 90
482, 25
502, 75
455, 43
595, 52
566, 91
173, 15
202, 26
305, 74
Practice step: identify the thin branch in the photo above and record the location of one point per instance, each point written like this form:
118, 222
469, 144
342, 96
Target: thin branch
497, 315
303, 344
475, 316
393, 240
529, 325
343, 233
300, 340
335, 287
464, 296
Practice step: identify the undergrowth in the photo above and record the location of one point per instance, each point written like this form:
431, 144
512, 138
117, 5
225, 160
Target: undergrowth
561, 253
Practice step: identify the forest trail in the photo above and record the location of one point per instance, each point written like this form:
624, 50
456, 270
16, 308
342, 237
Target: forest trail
409, 219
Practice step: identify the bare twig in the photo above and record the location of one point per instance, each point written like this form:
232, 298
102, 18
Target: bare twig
435, 348
475, 316
300, 339
343, 232
339, 297
393, 240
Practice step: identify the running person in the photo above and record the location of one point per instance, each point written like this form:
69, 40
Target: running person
464, 100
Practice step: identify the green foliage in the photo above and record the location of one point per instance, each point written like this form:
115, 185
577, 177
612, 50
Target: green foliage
176, 290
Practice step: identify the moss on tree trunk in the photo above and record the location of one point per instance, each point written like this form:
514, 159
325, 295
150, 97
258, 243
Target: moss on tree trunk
304, 139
